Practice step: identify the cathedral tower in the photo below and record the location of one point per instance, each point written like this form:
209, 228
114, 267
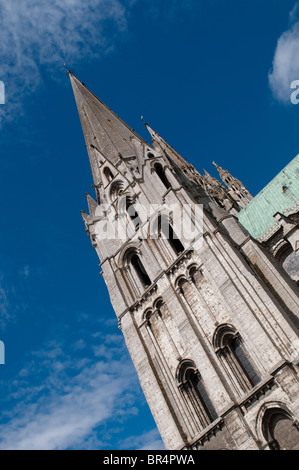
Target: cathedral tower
209, 318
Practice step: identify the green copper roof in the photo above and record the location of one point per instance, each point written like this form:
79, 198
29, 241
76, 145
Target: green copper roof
280, 195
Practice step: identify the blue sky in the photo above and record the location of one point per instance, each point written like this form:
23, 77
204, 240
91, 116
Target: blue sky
213, 78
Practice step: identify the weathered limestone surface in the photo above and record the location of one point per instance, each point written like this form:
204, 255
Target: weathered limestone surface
209, 317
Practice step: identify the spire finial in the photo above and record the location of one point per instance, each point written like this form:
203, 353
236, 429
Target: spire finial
67, 69
144, 122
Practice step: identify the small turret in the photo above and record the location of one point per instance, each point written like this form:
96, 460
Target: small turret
235, 188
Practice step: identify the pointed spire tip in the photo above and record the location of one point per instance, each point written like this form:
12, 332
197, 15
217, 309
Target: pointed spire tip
67, 69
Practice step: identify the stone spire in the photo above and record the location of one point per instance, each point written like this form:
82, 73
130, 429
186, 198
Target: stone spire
175, 158
107, 137
208, 318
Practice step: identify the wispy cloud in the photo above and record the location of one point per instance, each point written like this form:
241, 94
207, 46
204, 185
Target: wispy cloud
68, 406
6, 312
38, 37
170, 10
150, 440
13, 300
36, 34
293, 15
285, 67
65, 419
3, 306
24, 272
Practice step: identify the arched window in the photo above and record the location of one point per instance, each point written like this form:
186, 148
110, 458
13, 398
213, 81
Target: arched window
134, 271
165, 229
161, 173
196, 275
280, 430
195, 395
108, 174
235, 344
232, 353
132, 213
283, 252
182, 285
140, 270
116, 189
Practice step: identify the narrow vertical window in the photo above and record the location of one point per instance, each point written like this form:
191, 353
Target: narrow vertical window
161, 173
140, 270
166, 229
235, 359
108, 174
196, 384
195, 395
243, 360
132, 213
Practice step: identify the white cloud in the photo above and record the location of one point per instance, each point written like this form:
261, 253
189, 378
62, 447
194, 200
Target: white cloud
59, 401
38, 37
35, 34
65, 408
285, 68
294, 12
64, 420
150, 440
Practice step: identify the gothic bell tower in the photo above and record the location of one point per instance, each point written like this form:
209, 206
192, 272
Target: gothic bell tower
209, 318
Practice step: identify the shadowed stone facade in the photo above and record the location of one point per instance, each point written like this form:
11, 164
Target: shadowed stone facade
209, 317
